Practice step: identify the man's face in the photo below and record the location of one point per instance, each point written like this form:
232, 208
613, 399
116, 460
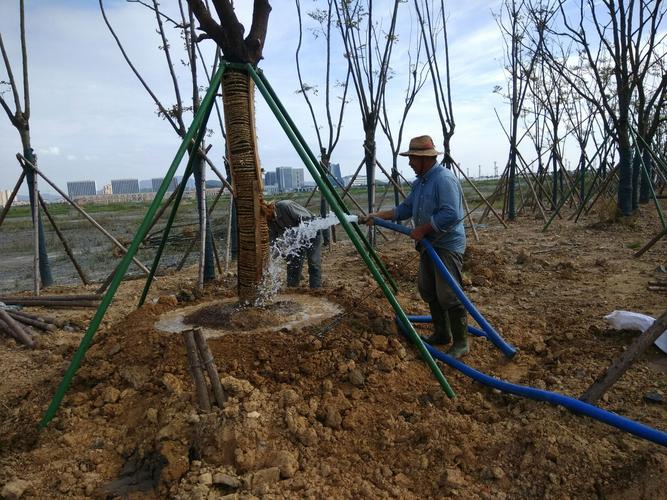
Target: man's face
420, 164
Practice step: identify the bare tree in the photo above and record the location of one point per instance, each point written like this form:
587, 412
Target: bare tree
416, 78
618, 43
433, 23
239, 109
174, 114
368, 49
516, 27
328, 139
20, 119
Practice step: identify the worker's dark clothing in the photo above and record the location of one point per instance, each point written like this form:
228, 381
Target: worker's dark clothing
289, 214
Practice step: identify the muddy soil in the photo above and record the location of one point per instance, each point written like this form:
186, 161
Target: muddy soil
345, 408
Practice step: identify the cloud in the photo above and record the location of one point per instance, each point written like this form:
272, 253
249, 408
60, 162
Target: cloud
49, 151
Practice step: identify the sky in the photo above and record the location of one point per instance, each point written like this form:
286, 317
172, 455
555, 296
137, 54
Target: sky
92, 120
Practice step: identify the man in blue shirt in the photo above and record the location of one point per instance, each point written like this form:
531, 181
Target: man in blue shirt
436, 207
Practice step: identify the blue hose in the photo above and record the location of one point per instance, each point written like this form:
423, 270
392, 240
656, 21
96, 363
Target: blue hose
427, 319
572, 404
489, 331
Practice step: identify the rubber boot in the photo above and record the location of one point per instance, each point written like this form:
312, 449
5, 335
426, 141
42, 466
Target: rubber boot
459, 325
442, 334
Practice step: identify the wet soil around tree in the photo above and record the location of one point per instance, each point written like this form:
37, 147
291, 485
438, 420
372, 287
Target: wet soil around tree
346, 408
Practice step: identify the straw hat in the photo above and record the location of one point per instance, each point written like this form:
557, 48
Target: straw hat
421, 146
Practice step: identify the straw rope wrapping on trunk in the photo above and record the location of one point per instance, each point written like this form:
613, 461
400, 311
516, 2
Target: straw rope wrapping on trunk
238, 100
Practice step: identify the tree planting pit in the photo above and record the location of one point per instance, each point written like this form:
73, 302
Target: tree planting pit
289, 312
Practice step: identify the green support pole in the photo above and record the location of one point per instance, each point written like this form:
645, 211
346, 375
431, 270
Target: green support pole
87, 339
325, 179
414, 336
172, 215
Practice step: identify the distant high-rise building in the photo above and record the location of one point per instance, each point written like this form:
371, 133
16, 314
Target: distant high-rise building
157, 182
124, 186
81, 188
289, 179
334, 172
297, 178
284, 177
270, 178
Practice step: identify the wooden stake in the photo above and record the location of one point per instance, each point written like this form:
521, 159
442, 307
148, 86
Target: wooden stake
623, 362
211, 369
62, 239
194, 363
653, 241
10, 200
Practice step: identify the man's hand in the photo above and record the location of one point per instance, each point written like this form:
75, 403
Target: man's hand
367, 219
420, 232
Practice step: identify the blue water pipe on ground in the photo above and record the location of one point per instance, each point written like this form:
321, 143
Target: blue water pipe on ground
575, 405
572, 404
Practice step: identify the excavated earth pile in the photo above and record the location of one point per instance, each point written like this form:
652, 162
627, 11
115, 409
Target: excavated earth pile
345, 408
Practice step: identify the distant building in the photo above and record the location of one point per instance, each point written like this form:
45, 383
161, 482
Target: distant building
270, 178
77, 189
125, 186
271, 189
289, 179
146, 186
358, 182
157, 182
334, 174
106, 189
4, 197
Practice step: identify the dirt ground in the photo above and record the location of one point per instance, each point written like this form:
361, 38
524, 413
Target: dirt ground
346, 408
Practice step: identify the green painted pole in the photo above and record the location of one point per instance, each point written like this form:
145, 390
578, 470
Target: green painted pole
172, 215
414, 337
325, 179
125, 262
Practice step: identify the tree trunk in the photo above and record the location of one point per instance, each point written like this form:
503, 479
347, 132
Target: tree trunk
369, 160
646, 175
324, 206
44, 265
209, 264
636, 169
238, 97
625, 170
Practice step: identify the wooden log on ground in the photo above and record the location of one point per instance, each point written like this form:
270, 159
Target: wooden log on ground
17, 331
34, 301
47, 327
209, 364
194, 363
7, 299
623, 362
41, 318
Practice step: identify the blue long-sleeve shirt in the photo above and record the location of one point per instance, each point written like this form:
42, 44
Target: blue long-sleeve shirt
437, 198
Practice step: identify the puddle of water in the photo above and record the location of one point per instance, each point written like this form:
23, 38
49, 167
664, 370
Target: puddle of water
312, 311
